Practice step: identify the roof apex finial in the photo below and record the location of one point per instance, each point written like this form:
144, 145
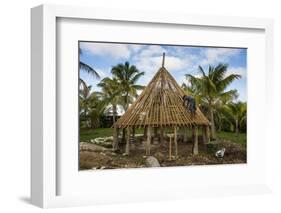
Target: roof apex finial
163, 60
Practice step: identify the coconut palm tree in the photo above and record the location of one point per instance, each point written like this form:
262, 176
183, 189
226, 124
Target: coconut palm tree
210, 88
127, 75
238, 114
90, 105
87, 68
111, 94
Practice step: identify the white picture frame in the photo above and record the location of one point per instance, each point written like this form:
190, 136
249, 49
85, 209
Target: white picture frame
44, 149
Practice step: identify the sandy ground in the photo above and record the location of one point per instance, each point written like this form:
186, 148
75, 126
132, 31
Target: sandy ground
98, 157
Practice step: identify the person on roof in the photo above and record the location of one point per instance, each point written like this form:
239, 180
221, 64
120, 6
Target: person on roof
189, 103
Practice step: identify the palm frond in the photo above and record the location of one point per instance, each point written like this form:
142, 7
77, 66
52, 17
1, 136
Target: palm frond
88, 69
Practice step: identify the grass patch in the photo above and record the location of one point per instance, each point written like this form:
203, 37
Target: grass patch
88, 134
241, 139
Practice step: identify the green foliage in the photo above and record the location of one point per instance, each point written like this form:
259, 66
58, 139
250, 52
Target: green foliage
90, 107
210, 87
127, 75
236, 114
111, 95
209, 90
120, 90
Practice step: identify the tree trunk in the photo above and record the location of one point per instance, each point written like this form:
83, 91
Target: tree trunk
236, 128
115, 139
127, 151
114, 113
213, 128
195, 141
126, 102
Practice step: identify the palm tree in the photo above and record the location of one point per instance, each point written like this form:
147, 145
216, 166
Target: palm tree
87, 68
85, 94
238, 114
111, 94
210, 89
127, 75
90, 105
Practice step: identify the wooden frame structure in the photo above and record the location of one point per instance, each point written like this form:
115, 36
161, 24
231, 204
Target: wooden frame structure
160, 106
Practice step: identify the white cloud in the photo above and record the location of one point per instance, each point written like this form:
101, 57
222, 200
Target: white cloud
216, 55
154, 63
135, 47
152, 50
150, 65
106, 49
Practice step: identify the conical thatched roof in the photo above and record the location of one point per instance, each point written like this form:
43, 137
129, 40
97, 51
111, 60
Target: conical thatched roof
160, 104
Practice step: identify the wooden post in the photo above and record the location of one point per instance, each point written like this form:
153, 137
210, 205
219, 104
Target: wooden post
127, 151
148, 141
145, 133
170, 148
115, 139
195, 141
176, 141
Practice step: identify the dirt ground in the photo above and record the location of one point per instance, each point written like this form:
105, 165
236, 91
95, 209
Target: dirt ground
98, 157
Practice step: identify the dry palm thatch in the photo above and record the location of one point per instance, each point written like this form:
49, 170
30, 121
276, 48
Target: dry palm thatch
161, 105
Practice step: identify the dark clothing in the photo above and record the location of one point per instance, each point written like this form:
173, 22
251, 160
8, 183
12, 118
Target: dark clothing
189, 103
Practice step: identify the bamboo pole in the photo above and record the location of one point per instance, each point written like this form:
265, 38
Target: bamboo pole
145, 132
176, 141
195, 141
148, 141
127, 151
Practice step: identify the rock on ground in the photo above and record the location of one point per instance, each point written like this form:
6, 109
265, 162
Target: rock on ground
160, 156
152, 162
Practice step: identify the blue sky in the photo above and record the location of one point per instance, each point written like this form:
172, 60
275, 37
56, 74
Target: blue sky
180, 60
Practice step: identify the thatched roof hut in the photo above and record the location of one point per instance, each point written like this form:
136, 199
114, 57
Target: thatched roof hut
160, 105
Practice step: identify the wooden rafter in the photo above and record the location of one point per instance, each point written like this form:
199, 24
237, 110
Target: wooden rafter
161, 105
